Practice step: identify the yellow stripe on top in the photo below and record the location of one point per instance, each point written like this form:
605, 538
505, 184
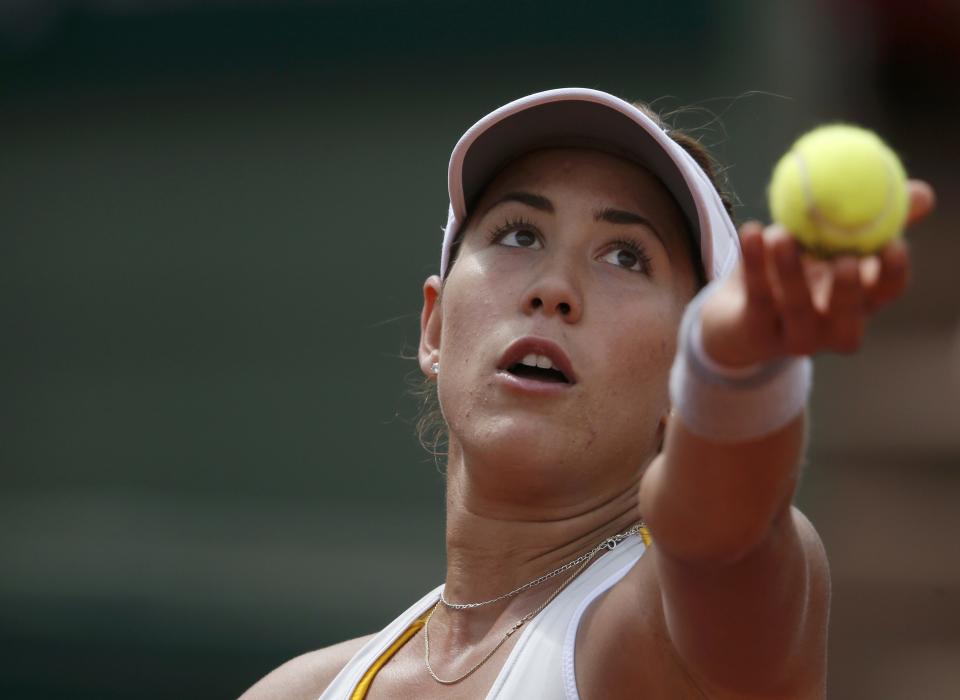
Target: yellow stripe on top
645, 535
363, 687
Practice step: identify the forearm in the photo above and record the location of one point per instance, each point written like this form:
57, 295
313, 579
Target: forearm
713, 502
733, 443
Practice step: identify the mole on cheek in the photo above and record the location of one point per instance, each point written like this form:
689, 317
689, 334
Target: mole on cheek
593, 436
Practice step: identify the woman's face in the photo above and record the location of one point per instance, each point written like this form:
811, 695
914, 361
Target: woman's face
574, 260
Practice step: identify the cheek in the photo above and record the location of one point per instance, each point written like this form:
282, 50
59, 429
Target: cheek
640, 355
623, 411
471, 305
469, 308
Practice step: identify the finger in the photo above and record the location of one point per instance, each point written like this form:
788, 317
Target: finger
845, 316
800, 319
759, 292
922, 200
892, 278
819, 274
870, 269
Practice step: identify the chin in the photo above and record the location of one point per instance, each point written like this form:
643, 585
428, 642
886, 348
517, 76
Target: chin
529, 452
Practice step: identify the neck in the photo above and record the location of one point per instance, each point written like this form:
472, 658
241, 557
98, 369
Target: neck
497, 544
493, 548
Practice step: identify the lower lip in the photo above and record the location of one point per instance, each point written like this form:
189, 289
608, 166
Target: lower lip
525, 385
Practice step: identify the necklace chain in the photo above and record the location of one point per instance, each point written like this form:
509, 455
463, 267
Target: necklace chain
583, 561
608, 543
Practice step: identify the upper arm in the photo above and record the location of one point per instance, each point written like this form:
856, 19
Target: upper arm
307, 676
756, 625
739, 576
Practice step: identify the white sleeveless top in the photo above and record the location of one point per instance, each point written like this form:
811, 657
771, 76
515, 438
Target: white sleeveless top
541, 663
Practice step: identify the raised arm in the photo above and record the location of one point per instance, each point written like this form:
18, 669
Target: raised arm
743, 578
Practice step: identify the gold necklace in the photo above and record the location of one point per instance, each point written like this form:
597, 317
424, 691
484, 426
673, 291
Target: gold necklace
583, 561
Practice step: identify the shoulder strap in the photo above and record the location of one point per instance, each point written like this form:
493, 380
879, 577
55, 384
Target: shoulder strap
348, 678
535, 666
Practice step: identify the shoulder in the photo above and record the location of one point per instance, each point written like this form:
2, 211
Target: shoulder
307, 676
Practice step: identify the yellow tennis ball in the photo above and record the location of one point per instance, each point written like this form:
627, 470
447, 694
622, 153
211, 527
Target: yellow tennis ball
840, 189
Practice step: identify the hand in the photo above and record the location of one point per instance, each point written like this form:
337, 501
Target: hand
782, 301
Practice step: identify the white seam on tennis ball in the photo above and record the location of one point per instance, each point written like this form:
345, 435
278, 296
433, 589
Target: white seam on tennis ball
820, 219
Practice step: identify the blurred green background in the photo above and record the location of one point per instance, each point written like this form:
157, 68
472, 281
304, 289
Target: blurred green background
215, 218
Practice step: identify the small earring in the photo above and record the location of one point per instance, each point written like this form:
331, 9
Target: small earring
435, 368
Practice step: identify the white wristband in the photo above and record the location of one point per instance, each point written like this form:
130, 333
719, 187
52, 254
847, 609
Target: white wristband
727, 404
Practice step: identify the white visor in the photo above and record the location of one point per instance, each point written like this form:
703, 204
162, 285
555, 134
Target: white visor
584, 118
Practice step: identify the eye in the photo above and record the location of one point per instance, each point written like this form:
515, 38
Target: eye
521, 239
516, 233
629, 255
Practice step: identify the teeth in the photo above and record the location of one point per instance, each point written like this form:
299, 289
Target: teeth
534, 360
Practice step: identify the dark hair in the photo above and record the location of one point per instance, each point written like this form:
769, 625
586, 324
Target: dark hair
430, 426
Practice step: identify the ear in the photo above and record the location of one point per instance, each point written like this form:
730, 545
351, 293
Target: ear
430, 325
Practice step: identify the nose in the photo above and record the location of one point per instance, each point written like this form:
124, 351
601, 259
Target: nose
555, 294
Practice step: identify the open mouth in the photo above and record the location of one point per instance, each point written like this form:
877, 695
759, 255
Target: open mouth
539, 368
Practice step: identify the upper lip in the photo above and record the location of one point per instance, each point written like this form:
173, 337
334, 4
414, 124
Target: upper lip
522, 347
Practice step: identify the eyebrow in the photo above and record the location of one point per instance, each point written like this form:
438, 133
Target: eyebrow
619, 216
532, 200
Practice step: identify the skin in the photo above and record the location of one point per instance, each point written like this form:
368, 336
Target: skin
732, 599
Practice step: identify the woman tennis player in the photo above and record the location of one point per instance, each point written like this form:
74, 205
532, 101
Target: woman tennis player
623, 379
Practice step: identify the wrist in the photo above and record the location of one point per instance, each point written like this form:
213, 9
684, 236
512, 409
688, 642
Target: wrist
722, 349
733, 404
721, 359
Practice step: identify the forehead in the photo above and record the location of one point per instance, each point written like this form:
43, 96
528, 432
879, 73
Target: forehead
559, 164
603, 179
607, 179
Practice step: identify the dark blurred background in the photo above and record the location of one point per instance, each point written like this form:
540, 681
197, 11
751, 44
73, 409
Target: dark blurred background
215, 218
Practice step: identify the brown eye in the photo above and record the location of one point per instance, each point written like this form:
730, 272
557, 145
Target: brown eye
520, 239
626, 258
629, 256
516, 232
525, 238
